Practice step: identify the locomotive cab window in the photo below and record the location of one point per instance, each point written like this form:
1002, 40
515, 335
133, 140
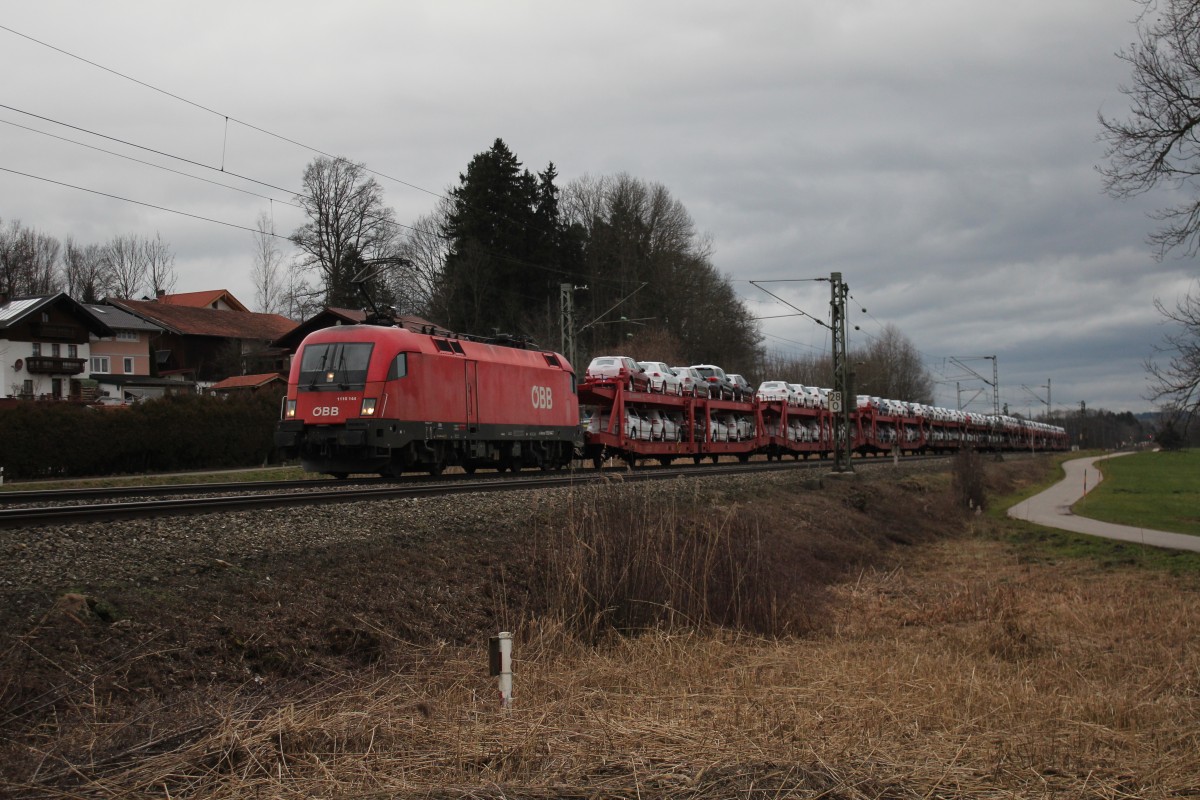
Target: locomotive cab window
399, 367
334, 367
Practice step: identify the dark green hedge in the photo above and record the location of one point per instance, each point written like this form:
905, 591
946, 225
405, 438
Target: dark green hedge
178, 432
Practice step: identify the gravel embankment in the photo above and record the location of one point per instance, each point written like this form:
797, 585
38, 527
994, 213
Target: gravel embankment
71, 557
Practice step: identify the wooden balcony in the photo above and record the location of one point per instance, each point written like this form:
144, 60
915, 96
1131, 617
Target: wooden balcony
49, 365
66, 333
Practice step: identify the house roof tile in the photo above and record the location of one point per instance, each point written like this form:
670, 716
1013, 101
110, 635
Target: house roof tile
203, 299
247, 381
190, 321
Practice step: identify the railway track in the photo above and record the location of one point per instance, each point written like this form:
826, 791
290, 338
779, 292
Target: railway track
57, 507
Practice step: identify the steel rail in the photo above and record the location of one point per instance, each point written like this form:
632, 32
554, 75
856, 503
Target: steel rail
161, 489
49, 515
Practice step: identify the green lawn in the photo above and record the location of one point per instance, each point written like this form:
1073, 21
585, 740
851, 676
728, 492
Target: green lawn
1159, 491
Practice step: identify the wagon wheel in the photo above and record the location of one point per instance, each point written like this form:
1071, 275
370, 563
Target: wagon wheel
341, 476
597, 462
630, 460
469, 467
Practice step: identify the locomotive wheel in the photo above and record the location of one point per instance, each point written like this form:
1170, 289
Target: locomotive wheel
341, 476
435, 469
469, 468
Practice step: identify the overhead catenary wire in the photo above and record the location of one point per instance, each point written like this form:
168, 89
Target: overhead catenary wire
147, 149
202, 165
140, 203
499, 256
214, 112
226, 119
150, 164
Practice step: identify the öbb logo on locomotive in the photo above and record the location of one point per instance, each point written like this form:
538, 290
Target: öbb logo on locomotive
325, 411
543, 397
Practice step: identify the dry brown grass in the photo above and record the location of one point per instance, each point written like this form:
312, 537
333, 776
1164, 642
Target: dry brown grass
963, 674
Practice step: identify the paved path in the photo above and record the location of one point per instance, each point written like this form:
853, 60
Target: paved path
1052, 508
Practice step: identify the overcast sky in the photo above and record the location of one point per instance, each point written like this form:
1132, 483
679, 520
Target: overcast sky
940, 154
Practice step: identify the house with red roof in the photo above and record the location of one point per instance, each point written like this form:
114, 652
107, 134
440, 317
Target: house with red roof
208, 336
252, 384
121, 363
216, 299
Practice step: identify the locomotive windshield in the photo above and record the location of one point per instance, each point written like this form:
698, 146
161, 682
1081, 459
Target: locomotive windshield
335, 367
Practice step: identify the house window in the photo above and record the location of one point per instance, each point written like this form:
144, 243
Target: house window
127, 336
27, 387
37, 348
56, 386
56, 350
72, 351
128, 365
100, 364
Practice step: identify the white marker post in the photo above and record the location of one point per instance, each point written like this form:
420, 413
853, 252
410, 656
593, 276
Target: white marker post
500, 657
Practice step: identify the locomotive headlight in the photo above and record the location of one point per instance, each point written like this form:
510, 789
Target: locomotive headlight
289, 410
368, 407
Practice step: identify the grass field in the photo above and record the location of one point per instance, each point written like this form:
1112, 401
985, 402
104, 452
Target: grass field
1158, 491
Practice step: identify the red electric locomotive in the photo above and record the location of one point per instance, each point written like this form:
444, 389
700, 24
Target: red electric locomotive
367, 398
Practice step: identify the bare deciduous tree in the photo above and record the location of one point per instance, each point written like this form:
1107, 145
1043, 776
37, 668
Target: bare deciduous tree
347, 222
29, 261
160, 265
425, 247
890, 366
124, 267
1158, 142
636, 233
83, 268
267, 273
1176, 383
